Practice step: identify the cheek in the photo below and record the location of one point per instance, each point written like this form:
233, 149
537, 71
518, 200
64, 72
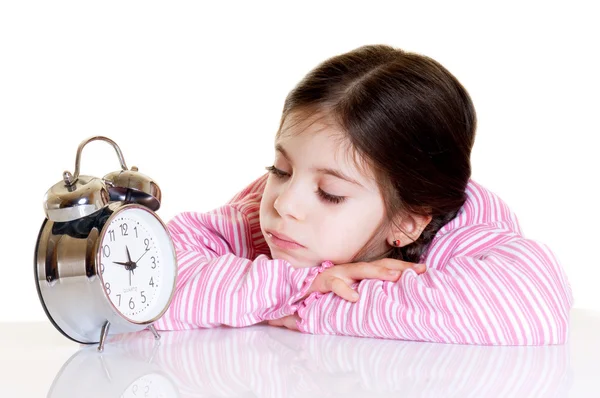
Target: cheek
339, 238
264, 208
333, 245
343, 236
267, 201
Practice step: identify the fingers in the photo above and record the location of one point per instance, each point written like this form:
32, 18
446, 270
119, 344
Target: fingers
383, 269
342, 289
289, 322
364, 270
276, 322
339, 278
393, 264
398, 264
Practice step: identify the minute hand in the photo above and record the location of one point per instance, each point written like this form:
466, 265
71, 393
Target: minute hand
138, 260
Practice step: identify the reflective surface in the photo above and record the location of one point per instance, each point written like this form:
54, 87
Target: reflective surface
264, 361
133, 187
86, 196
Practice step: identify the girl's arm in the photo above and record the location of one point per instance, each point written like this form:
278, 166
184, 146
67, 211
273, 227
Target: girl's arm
224, 276
485, 284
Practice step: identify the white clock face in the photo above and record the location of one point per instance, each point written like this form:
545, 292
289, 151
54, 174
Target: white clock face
137, 263
151, 385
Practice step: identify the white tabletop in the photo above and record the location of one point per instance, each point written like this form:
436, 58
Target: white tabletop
265, 361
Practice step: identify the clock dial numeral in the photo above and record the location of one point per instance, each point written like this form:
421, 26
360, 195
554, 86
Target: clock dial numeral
111, 235
136, 232
119, 296
147, 243
131, 304
107, 287
151, 283
153, 262
106, 251
124, 227
143, 297
102, 268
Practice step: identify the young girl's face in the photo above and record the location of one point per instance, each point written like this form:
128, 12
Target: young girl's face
318, 204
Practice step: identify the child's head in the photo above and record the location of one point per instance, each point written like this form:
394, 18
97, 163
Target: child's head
388, 132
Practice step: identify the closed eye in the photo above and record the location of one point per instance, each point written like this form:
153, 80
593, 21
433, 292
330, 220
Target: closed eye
280, 174
276, 172
330, 198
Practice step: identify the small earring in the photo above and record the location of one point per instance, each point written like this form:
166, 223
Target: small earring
397, 243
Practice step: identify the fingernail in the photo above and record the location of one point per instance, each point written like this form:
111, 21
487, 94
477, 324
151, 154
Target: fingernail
394, 272
355, 296
418, 265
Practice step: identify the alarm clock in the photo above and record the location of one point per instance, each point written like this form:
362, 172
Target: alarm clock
104, 260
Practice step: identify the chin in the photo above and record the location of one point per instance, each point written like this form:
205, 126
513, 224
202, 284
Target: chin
296, 263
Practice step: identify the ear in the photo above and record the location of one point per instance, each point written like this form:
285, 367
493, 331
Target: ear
407, 229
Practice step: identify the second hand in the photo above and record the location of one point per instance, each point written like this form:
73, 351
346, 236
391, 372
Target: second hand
141, 256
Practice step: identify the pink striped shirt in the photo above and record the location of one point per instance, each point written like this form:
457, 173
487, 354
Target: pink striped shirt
485, 283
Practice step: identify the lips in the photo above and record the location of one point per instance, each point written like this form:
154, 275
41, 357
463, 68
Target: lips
282, 238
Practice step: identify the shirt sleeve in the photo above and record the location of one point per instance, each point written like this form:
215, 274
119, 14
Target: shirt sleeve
224, 277
485, 284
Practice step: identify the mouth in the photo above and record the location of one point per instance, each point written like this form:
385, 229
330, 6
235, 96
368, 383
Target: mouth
282, 241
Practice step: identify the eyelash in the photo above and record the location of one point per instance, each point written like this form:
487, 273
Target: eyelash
324, 195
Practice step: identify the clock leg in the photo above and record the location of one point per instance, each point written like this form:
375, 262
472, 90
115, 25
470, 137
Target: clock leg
154, 332
103, 335
106, 371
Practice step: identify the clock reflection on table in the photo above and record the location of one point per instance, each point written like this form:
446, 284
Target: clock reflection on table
265, 361
119, 371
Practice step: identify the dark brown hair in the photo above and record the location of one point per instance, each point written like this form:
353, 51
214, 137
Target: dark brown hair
409, 119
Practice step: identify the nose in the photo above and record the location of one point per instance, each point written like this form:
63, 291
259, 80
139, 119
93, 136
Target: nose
289, 202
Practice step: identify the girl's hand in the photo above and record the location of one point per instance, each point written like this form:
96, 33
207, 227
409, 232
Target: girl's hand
339, 278
290, 322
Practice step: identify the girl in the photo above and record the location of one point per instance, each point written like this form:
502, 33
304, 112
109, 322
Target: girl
368, 224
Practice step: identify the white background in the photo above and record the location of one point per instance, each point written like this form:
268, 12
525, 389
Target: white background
192, 94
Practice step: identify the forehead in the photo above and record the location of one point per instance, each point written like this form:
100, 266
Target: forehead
320, 140
303, 121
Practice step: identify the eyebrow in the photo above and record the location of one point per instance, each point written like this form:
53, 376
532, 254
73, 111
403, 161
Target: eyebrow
327, 170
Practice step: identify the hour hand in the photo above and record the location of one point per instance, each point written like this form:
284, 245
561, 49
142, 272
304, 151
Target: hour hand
120, 263
128, 255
